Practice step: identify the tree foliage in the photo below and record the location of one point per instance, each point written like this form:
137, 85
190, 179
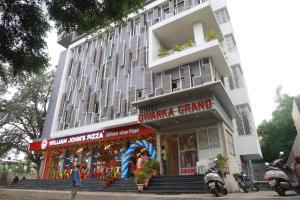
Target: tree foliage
25, 114
24, 25
278, 134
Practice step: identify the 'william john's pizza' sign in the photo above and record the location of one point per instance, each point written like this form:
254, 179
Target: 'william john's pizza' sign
178, 110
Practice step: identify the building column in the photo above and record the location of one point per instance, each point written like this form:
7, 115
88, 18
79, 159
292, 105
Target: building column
158, 150
198, 33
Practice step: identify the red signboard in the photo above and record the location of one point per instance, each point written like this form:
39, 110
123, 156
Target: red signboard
90, 137
182, 109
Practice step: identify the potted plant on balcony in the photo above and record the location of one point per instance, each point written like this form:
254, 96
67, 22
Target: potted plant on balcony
162, 52
140, 178
189, 44
211, 35
177, 47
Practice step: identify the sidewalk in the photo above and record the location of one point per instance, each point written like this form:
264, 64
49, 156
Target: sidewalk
19, 194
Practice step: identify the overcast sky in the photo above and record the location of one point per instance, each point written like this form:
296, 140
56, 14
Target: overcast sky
267, 34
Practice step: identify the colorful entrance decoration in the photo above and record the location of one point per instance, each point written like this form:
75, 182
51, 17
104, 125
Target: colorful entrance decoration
130, 150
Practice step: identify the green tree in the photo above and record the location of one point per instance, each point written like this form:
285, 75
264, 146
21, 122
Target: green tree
278, 134
25, 114
24, 25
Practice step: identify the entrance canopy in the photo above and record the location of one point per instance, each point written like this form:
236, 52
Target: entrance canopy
203, 105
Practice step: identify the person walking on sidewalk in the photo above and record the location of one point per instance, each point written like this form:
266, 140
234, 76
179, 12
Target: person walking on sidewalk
75, 182
164, 159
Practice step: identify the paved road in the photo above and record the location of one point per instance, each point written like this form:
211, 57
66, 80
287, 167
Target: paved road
18, 194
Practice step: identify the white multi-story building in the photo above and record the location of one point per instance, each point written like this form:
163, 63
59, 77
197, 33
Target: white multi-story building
171, 76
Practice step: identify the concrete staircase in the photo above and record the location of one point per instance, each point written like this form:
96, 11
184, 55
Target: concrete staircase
87, 185
176, 185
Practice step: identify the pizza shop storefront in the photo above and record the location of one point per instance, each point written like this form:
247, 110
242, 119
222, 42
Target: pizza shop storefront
97, 153
194, 130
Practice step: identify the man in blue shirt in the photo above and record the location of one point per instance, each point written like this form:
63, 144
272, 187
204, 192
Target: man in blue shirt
75, 182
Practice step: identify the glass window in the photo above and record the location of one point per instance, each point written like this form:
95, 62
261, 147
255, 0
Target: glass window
230, 143
237, 77
187, 141
222, 16
175, 84
230, 43
205, 61
245, 124
136, 27
180, 6
203, 139
208, 138
188, 159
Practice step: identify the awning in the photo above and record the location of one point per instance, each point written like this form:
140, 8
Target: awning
91, 137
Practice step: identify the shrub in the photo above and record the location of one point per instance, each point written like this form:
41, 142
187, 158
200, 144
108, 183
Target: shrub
140, 177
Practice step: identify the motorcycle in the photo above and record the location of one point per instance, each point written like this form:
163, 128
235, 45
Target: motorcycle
281, 177
245, 182
215, 183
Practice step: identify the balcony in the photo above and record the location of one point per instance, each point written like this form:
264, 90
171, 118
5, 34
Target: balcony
191, 35
208, 49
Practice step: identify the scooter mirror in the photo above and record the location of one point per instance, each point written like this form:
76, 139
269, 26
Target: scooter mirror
266, 164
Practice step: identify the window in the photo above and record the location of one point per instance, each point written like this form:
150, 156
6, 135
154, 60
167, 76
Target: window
136, 27
208, 138
175, 84
166, 11
205, 61
230, 43
236, 81
245, 123
96, 107
180, 6
107, 68
188, 150
140, 93
222, 16
230, 143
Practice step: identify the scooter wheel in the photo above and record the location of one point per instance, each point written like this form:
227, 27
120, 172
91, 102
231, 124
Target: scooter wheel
244, 188
225, 191
216, 191
255, 188
280, 190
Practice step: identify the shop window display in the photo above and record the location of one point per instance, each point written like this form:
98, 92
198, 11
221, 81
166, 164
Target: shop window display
94, 161
188, 153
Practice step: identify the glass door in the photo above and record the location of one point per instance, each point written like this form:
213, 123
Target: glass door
188, 154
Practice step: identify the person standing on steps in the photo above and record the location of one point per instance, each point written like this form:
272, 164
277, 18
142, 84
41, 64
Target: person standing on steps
75, 182
164, 159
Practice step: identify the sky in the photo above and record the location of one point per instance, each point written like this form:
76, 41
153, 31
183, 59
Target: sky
267, 34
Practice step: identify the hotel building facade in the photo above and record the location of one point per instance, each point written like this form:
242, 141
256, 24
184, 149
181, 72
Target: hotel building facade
170, 76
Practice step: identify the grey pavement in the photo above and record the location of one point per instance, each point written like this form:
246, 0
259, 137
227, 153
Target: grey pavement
20, 194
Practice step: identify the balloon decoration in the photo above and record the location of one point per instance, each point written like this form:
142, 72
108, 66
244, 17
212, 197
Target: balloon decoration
130, 150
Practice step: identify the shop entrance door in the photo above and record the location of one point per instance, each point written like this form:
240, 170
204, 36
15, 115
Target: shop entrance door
188, 154
172, 154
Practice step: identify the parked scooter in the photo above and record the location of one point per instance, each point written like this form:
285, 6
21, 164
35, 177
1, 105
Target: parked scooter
281, 177
214, 180
245, 182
